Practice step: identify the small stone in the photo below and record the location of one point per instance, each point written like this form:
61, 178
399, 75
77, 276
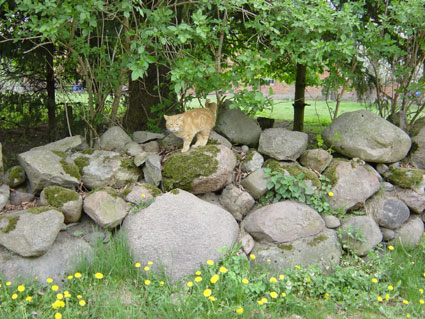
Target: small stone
331, 221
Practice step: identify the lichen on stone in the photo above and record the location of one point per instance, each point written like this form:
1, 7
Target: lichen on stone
182, 168
11, 223
71, 169
57, 196
15, 173
317, 240
60, 154
39, 209
88, 151
405, 177
287, 247
81, 162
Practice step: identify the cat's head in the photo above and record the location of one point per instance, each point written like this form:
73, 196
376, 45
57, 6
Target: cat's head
174, 123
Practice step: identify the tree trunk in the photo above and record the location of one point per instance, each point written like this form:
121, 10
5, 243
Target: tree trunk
50, 87
145, 94
299, 103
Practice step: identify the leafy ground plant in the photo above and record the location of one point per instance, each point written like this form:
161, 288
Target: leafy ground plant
389, 283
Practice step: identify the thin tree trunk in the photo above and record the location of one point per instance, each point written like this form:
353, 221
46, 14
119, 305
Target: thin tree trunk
50, 87
299, 103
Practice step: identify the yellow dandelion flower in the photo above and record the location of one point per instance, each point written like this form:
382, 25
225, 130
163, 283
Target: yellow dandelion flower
390, 287
252, 256
55, 287
406, 302
150, 263
387, 297
98, 275
281, 277
273, 279
283, 294
147, 282
374, 280
297, 267
14, 296
49, 280
82, 303
70, 277
143, 195
308, 279
146, 268
59, 296
214, 279
21, 288
77, 275
223, 269
58, 315
260, 302
407, 316
207, 292
79, 296
330, 194
8, 283
424, 274
379, 298
212, 298
210, 262
67, 294
412, 262
137, 265
189, 284
273, 294
421, 301
198, 273
161, 283
390, 247
245, 281
264, 300
198, 279
29, 299
269, 261
327, 296
421, 291
239, 310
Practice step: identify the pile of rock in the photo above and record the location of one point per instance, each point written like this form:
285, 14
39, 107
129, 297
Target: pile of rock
178, 230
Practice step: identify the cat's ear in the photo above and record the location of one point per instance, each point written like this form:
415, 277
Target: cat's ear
165, 117
181, 117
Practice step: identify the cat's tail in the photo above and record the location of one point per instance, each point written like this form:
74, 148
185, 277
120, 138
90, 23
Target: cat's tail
211, 105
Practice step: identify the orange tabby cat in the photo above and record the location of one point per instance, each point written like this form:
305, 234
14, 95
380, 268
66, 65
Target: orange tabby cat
197, 122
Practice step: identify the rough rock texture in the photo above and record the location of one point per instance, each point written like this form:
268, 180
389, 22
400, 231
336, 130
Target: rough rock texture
283, 222
352, 183
413, 200
133, 148
115, 138
201, 170
253, 161
61, 258
152, 170
17, 197
360, 234
388, 212
105, 168
322, 249
15, 176
236, 201
45, 168
255, 183
351, 135
282, 144
30, 233
410, 233
105, 208
407, 178
238, 127
63, 145
316, 159
144, 136
331, 221
139, 193
69, 202
216, 138
4, 195
417, 152
180, 232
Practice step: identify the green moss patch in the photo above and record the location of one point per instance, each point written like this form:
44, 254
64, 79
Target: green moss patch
287, 247
71, 169
405, 177
182, 168
81, 162
39, 209
57, 196
317, 240
11, 223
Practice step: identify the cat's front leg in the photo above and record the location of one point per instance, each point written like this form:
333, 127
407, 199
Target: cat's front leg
186, 145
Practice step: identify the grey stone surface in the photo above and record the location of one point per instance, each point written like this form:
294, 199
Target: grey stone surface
180, 232
331, 221
140, 192
410, 233
255, 183
4, 195
15, 176
152, 147
253, 161
152, 170
30, 234
18, 197
63, 145
144, 136
133, 148
316, 159
388, 212
68, 201
413, 200
215, 137
365, 135
282, 144
283, 222
114, 138
236, 201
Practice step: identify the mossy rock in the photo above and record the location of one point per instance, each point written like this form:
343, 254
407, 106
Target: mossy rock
57, 196
294, 169
16, 176
8, 223
405, 177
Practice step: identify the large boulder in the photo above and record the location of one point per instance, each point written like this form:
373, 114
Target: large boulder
360, 234
283, 222
179, 232
105, 168
410, 233
68, 201
365, 135
201, 170
31, 232
322, 249
411, 178
63, 145
352, 183
114, 138
106, 208
45, 168
4, 195
238, 127
282, 144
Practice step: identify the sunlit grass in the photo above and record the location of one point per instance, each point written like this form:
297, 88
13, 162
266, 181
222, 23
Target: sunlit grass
389, 283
